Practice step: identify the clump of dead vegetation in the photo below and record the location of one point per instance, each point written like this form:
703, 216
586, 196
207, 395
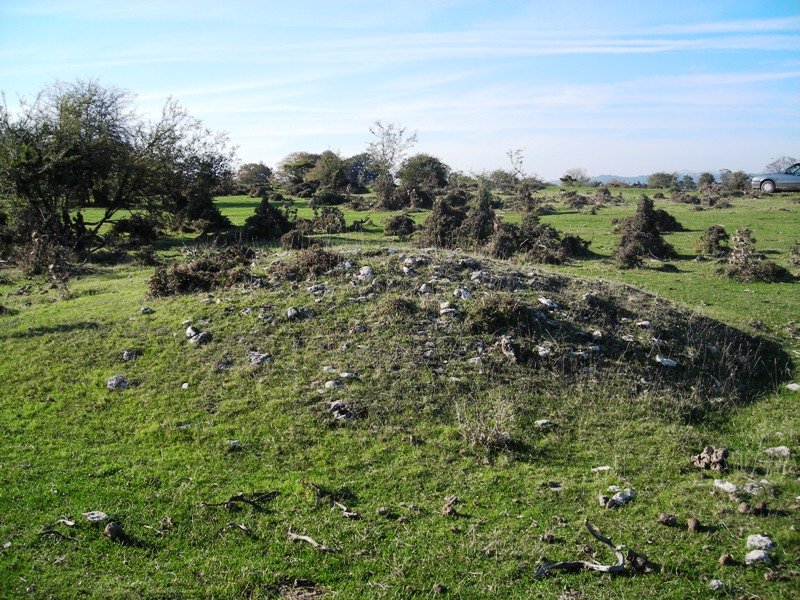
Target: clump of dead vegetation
401, 226
745, 264
311, 262
204, 268
714, 241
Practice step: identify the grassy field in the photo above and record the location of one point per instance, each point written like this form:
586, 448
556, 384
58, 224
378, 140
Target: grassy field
158, 458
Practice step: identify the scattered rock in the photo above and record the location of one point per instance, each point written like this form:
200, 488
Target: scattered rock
234, 446
544, 351
621, 498
191, 332
333, 384
755, 557
117, 382
744, 508
716, 585
200, 339
114, 532
95, 516
759, 542
793, 387
128, 355
726, 560
317, 289
438, 588
667, 519
548, 538
462, 293
185, 385
293, 314
146, 310
667, 362
548, 303
544, 423
601, 469
694, 525
778, 452
343, 411
760, 509
506, 346
425, 288
643, 324
712, 458
258, 359
725, 486
366, 274
382, 511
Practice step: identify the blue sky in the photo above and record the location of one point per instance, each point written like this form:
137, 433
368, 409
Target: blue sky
611, 86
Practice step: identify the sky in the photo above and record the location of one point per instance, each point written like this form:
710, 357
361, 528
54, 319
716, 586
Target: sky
614, 87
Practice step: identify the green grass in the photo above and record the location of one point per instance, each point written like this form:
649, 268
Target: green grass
69, 446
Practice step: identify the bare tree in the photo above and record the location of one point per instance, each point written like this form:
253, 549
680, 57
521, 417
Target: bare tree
388, 149
779, 165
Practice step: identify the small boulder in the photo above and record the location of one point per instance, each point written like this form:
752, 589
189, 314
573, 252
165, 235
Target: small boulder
759, 542
146, 310
756, 557
114, 532
667, 362
333, 384
234, 446
551, 304
258, 359
667, 519
712, 458
95, 516
366, 274
716, 585
200, 339
462, 293
778, 452
793, 387
694, 525
117, 382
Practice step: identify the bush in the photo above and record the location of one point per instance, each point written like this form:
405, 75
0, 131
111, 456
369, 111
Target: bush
326, 197
478, 224
714, 240
296, 240
640, 237
543, 243
444, 220
203, 269
267, 224
329, 220
400, 225
666, 222
744, 264
505, 242
138, 228
574, 200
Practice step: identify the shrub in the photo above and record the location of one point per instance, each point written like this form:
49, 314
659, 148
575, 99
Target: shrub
714, 240
326, 197
505, 242
137, 227
574, 200
329, 220
666, 222
444, 220
641, 237
203, 269
400, 225
744, 264
296, 240
478, 223
543, 243
267, 223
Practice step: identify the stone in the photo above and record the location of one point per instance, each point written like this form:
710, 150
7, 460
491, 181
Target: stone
756, 557
725, 486
117, 382
667, 362
128, 355
146, 310
258, 359
329, 369
726, 560
366, 274
317, 289
185, 385
597, 334
793, 387
548, 302
425, 288
544, 351
716, 585
191, 332
333, 384
601, 469
114, 532
200, 339
778, 452
462, 293
234, 446
621, 498
759, 542
544, 423
95, 516
643, 324
293, 314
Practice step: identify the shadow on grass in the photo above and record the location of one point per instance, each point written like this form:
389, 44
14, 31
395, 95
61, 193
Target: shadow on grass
37, 331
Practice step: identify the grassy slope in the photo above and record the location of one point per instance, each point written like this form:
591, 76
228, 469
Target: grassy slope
70, 446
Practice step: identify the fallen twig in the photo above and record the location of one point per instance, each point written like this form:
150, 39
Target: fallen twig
296, 537
346, 512
243, 528
255, 500
577, 565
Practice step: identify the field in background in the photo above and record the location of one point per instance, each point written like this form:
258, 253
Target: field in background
157, 452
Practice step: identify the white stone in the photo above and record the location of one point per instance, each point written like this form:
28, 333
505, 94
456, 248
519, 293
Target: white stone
333, 384
258, 359
725, 486
366, 273
185, 386
462, 293
543, 423
667, 362
601, 469
116, 382
95, 516
793, 387
191, 332
547, 302
597, 334
716, 585
643, 324
755, 557
201, 338
425, 288
329, 369
778, 451
759, 542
